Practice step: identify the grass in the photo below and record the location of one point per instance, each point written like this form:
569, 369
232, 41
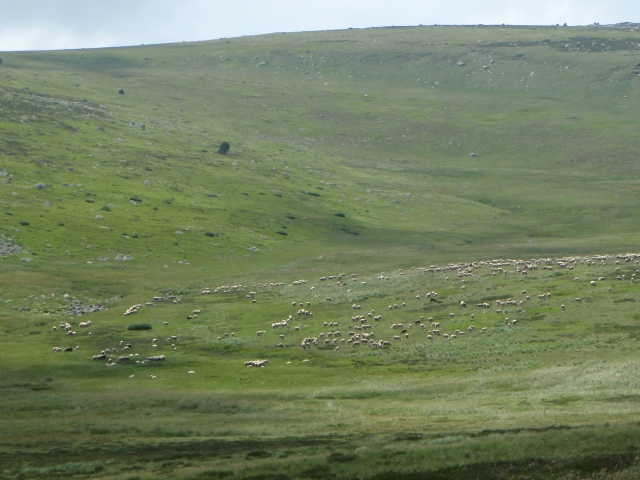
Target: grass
350, 154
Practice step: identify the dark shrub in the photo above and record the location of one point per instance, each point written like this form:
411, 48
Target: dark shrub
121, 91
139, 326
339, 214
224, 148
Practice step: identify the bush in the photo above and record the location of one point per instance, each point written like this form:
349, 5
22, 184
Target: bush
106, 208
224, 148
24, 223
339, 214
258, 454
280, 232
341, 457
121, 91
210, 234
139, 326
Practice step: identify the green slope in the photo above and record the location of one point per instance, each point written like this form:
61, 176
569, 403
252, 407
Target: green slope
359, 119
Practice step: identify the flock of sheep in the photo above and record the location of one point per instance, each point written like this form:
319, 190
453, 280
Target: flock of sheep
361, 333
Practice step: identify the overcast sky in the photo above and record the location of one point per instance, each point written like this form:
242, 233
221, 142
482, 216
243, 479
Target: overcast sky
62, 24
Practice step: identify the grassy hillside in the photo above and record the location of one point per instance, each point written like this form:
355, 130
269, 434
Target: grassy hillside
351, 152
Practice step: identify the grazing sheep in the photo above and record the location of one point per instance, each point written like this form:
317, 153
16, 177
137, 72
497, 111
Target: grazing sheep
156, 358
256, 363
191, 372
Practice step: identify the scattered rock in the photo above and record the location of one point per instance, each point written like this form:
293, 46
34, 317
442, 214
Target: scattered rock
27, 259
40, 186
103, 259
147, 182
7, 247
473, 154
178, 232
123, 258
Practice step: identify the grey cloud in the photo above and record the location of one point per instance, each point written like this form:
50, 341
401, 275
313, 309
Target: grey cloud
58, 24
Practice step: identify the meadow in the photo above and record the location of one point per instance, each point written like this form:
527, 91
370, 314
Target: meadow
351, 157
